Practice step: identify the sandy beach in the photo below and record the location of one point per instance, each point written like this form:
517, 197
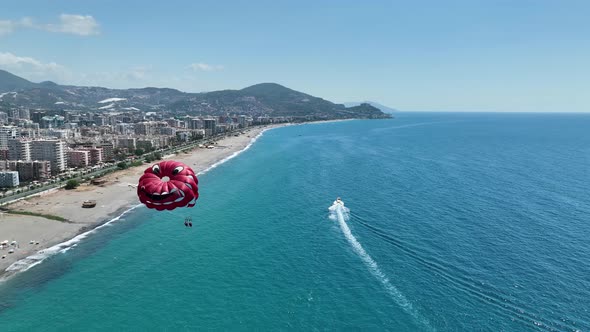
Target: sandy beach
117, 194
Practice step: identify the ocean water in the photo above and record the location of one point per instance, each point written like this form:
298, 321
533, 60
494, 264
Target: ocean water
453, 222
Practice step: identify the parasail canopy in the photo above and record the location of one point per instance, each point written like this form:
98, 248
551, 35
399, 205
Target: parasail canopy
168, 185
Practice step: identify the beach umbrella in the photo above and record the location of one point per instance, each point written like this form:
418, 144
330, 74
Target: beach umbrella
168, 185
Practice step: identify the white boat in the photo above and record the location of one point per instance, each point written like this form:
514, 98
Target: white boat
338, 201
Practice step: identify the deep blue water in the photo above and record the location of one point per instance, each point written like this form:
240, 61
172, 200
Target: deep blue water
464, 222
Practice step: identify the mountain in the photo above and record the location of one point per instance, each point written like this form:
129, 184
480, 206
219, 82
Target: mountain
285, 101
49, 85
10, 82
261, 99
383, 108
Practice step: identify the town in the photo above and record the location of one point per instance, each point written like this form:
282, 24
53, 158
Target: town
41, 149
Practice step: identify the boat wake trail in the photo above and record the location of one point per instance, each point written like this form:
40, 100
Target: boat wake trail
340, 213
460, 279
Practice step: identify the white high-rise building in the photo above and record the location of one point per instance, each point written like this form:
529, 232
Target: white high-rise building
6, 133
147, 128
9, 179
52, 150
19, 149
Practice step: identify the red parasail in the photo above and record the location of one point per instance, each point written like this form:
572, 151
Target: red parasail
168, 185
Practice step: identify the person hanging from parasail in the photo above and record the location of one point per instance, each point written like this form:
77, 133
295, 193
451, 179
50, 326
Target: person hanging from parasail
168, 185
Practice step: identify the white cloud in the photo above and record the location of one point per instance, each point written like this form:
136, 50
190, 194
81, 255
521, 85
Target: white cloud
132, 77
36, 70
81, 25
138, 74
10, 60
6, 27
26, 22
205, 67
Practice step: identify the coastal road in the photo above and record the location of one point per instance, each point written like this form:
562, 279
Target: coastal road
30, 192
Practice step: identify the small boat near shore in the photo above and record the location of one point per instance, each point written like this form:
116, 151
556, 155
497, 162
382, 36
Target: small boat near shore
89, 204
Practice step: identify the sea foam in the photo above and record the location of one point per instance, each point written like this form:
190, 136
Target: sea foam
341, 214
37, 258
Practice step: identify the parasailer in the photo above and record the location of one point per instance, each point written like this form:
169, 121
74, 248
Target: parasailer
168, 185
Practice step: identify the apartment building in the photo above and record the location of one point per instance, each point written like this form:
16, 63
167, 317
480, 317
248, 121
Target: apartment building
78, 158
52, 150
9, 179
29, 170
6, 133
19, 149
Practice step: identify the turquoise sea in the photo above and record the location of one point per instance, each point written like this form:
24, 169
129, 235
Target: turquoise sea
457, 222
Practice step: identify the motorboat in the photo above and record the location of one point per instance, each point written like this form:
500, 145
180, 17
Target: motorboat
338, 201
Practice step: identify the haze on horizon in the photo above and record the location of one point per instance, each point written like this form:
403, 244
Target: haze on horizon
521, 56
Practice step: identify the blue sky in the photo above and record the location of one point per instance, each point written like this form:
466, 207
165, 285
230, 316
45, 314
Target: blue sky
413, 55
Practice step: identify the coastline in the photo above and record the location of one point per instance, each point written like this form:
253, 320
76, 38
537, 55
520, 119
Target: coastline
39, 238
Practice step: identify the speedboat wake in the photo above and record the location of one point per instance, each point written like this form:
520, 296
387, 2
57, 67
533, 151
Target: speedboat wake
341, 214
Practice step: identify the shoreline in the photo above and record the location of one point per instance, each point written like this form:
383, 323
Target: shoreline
39, 238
